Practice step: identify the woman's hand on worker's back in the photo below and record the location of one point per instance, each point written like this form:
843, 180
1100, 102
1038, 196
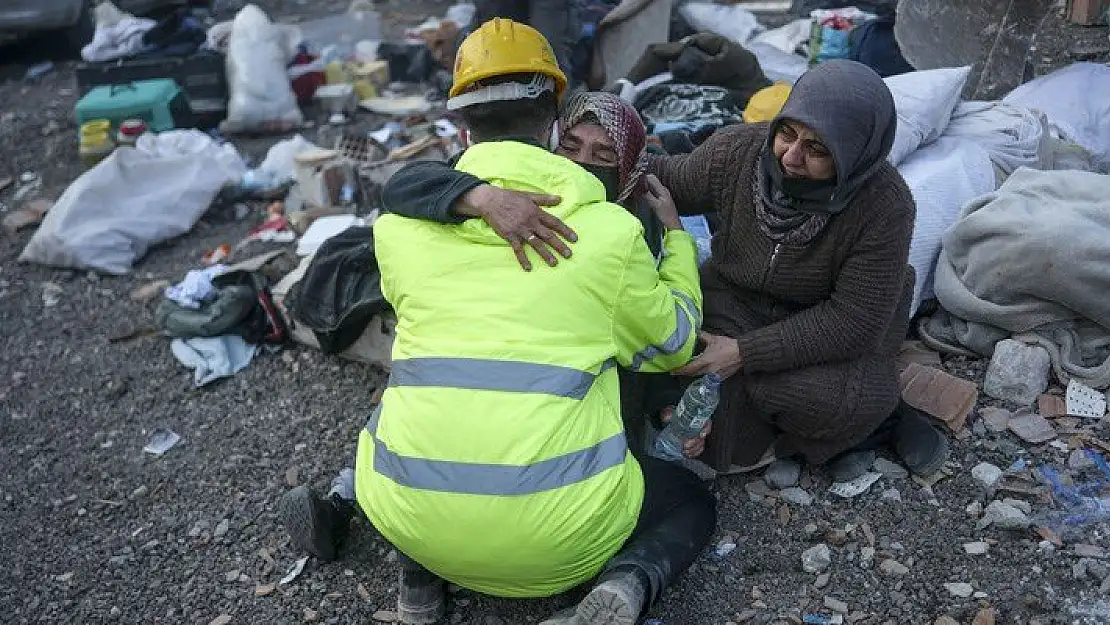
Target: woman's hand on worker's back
519, 218
659, 199
721, 356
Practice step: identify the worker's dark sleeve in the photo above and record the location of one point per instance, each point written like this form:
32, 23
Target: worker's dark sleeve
427, 190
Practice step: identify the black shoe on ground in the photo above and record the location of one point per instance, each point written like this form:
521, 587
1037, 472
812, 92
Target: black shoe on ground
850, 465
315, 524
421, 598
922, 448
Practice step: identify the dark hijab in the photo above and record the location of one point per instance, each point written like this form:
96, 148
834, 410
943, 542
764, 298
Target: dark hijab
850, 107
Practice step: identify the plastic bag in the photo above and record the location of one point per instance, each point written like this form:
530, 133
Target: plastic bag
258, 53
1013, 135
777, 65
925, 101
731, 21
137, 197
1077, 101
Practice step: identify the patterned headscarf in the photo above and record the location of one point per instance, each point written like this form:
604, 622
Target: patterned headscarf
623, 125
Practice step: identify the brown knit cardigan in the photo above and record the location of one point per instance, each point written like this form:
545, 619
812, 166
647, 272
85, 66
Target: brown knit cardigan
836, 299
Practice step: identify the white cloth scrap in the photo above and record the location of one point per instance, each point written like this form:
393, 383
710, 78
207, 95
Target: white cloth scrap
213, 358
120, 40
1014, 136
196, 289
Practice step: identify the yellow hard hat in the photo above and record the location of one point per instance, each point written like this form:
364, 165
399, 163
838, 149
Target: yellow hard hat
501, 47
766, 103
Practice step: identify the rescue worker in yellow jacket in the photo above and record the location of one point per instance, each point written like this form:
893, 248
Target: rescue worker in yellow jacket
497, 459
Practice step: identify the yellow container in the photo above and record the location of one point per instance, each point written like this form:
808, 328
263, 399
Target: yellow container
766, 103
335, 73
95, 142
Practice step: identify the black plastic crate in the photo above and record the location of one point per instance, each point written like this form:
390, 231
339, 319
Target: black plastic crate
201, 76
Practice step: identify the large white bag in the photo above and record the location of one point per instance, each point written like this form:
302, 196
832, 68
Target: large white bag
943, 177
108, 218
257, 56
1077, 101
732, 21
925, 101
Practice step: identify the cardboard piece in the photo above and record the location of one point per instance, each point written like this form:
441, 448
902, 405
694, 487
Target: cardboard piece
942, 396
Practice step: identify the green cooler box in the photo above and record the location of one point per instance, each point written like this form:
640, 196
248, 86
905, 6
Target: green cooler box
157, 102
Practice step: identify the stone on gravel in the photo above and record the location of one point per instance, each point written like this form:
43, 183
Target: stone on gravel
866, 555
836, 605
996, 419
385, 616
893, 568
267, 589
1024, 506
1017, 373
822, 580
1079, 460
1003, 516
987, 475
984, 617
782, 474
816, 559
974, 509
310, 615
945, 620
222, 619
891, 494
891, 470
1032, 428
961, 590
231, 576
757, 490
138, 493
976, 548
1089, 551
797, 496
221, 528
51, 294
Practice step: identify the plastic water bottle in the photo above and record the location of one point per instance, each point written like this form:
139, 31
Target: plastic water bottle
694, 410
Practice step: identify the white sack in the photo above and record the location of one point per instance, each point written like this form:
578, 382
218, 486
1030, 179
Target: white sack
731, 21
257, 56
1077, 100
787, 38
925, 101
1013, 135
777, 65
137, 197
943, 177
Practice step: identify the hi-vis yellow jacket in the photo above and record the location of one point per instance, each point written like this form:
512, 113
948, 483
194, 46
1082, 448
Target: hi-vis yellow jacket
497, 457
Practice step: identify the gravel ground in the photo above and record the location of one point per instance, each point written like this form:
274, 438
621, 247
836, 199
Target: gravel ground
97, 531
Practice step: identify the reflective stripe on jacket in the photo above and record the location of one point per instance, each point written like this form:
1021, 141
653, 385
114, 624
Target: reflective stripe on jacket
497, 458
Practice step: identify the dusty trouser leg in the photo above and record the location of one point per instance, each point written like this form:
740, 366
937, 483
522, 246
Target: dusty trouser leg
421, 599
676, 521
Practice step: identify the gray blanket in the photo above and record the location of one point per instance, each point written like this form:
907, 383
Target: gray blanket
1032, 261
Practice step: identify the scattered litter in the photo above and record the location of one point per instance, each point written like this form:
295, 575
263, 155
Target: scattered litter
64, 577
294, 571
262, 591
723, 548
51, 294
161, 441
816, 619
976, 548
222, 619
855, 487
39, 70
323, 229
796, 496
893, 568
397, 106
1084, 401
385, 616
962, 590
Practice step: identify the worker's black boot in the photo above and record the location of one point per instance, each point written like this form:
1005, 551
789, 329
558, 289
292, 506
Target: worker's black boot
618, 599
317, 525
422, 597
922, 447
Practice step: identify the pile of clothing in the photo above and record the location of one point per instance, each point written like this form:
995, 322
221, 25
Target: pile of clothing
120, 35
